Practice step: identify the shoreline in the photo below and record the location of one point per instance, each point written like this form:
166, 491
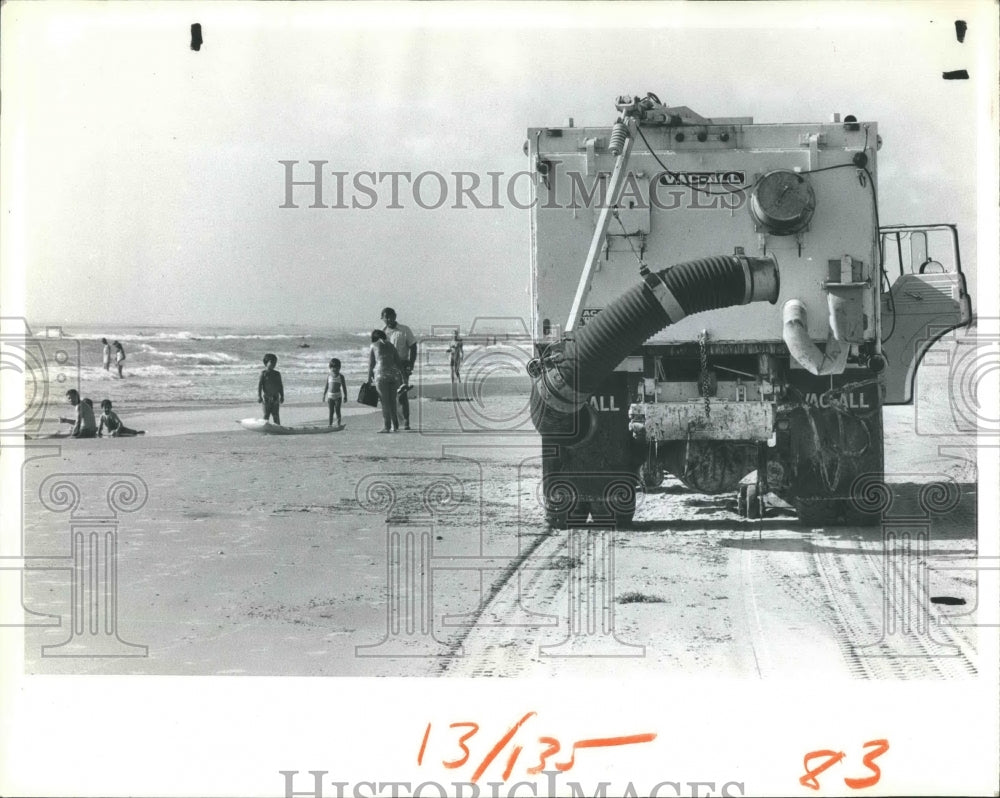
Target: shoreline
201, 418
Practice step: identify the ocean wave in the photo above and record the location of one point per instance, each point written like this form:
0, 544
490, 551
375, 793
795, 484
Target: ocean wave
261, 337
222, 364
136, 386
154, 370
180, 335
187, 335
200, 358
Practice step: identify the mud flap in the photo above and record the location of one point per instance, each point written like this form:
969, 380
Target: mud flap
827, 441
597, 476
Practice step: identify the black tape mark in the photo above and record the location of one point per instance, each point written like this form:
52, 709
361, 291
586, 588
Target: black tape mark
960, 29
953, 600
196, 36
956, 74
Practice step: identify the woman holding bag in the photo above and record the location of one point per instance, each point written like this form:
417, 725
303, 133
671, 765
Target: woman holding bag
385, 372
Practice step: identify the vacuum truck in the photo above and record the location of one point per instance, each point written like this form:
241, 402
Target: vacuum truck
713, 299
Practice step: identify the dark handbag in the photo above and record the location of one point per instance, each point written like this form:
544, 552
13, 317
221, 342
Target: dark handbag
367, 395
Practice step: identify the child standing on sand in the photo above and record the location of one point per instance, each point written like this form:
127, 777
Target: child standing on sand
270, 390
335, 391
109, 419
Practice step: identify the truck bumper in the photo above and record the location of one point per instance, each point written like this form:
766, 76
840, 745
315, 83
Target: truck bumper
724, 421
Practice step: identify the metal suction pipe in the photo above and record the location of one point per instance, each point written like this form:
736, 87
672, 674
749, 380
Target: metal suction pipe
568, 372
795, 333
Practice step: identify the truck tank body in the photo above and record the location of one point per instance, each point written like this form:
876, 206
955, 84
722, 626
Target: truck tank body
791, 388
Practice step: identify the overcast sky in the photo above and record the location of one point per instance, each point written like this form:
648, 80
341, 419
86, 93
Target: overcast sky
143, 183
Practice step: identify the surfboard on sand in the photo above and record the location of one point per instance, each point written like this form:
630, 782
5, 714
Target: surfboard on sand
270, 428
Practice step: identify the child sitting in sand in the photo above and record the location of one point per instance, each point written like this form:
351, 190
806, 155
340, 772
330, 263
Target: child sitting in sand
109, 419
270, 390
84, 425
335, 391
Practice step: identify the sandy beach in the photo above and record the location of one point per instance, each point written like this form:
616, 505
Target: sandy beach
243, 532
311, 555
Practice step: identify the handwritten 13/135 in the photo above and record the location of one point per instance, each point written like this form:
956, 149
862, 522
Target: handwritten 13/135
549, 747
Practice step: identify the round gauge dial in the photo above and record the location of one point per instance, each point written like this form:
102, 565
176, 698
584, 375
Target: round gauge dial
782, 202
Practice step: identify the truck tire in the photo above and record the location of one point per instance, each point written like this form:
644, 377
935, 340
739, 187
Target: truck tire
651, 476
597, 475
555, 520
830, 448
604, 516
818, 512
833, 512
564, 519
755, 504
749, 501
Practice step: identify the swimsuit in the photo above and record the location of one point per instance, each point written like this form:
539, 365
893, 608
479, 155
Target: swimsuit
271, 390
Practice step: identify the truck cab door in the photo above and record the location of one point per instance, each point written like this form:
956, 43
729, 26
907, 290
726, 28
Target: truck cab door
926, 298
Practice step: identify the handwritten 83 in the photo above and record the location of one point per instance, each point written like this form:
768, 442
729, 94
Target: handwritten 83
547, 748
831, 758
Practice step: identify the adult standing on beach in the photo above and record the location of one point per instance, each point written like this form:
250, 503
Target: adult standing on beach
455, 356
401, 337
119, 359
384, 370
107, 354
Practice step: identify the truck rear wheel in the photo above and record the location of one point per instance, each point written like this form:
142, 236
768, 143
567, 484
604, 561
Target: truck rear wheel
817, 512
830, 448
563, 519
749, 502
755, 502
651, 475
595, 476
837, 512
619, 510
602, 515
